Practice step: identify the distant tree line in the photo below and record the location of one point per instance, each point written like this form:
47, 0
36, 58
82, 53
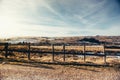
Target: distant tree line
91, 40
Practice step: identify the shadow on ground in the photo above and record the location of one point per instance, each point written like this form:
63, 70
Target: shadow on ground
47, 65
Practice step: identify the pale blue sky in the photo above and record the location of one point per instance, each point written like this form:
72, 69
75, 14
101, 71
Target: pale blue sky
59, 18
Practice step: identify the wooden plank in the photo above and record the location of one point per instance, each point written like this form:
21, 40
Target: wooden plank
29, 51
64, 52
53, 50
104, 54
3, 43
6, 50
84, 52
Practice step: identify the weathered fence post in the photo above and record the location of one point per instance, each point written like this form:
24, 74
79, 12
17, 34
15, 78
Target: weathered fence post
28, 51
6, 50
64, 52
53, 52
104, 54
84, 52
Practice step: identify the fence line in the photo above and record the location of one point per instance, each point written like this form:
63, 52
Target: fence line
64, 51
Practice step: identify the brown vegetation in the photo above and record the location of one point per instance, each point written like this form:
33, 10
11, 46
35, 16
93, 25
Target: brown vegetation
17, 67
23, 71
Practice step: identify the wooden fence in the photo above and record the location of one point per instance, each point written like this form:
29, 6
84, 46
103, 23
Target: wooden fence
65, 49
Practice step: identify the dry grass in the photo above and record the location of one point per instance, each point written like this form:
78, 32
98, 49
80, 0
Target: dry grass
77, 48
19, 68
24, 47
22, 69
59, 58
56, 72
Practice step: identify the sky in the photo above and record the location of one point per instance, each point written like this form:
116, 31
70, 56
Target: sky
59, 18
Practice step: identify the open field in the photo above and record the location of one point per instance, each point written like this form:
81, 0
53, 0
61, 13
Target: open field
77, 48
42, 67
58, 57
35, 71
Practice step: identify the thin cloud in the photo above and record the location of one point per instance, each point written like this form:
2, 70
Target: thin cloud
59, 17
